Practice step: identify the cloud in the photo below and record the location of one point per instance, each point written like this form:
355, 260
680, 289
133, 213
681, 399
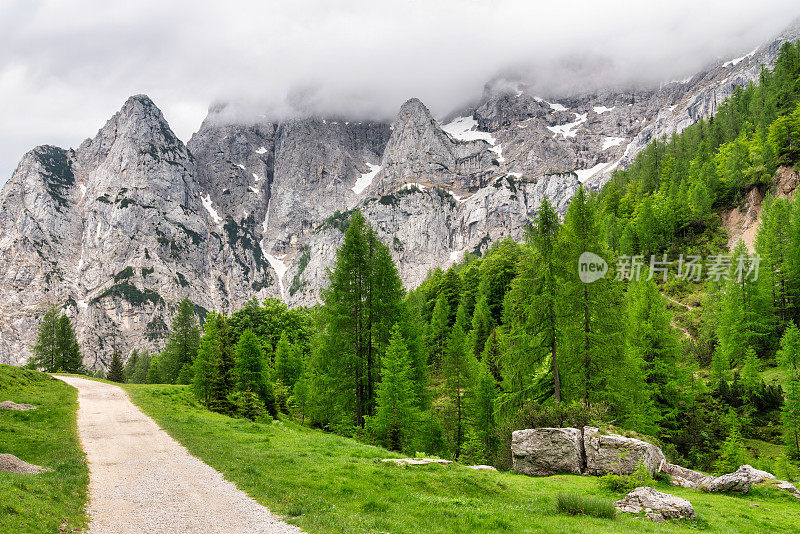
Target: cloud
66, 67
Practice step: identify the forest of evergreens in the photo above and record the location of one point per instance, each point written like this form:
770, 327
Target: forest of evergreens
514, 339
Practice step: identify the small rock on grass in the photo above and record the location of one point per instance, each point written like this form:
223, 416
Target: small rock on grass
11, 464
11, 405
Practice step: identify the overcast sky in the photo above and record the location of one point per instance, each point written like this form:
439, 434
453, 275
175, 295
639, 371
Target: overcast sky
67, 66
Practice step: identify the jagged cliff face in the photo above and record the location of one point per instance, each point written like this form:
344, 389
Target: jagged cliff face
120, 229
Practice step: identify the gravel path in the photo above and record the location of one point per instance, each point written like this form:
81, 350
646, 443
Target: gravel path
141, 480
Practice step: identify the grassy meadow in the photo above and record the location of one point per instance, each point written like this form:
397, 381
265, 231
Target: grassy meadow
52, 501
327, 483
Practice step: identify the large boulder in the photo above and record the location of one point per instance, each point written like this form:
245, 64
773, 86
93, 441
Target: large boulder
611, 453
685, 478
740, 481
547, 451
655, 504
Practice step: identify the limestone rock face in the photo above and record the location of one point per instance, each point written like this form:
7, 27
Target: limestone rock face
547, 451
662, 505
611, 453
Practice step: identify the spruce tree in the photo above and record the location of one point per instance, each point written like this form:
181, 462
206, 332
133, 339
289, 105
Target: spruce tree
69, 357
116, 369
46, 350
393, 423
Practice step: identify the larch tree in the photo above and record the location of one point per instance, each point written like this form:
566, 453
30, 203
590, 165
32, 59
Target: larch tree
251, 374
393, 422
457, 368
789, 358
184, 340
592, 331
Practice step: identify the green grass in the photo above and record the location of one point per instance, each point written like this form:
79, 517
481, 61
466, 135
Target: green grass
48, 437
572, 504
326, 483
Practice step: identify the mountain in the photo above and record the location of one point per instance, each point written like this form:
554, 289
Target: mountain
118, 230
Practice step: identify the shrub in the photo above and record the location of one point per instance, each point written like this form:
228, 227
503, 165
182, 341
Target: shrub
573, 504
619, 483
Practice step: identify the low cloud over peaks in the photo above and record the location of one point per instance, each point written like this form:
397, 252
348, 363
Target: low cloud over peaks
66, 67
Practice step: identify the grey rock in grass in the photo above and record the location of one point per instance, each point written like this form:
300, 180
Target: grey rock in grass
684, 477
11, 405
11, 464
611, 453
651, 501
547, 451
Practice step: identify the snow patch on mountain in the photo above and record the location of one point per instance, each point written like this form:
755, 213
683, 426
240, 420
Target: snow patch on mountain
569, 129
280, 269
209, 206
734, 62
465, 129
585, 174
608, 142
365, 179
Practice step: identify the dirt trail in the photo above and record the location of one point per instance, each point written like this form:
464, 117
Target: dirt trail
142, 480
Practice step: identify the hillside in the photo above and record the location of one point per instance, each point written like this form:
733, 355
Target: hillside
325, 483
48, 437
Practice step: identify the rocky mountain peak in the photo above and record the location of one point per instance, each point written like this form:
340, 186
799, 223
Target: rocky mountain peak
138, 127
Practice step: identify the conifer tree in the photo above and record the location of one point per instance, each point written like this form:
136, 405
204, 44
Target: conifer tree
139, 375
393, 423
651, 340
206, 365
69, 359
458, 366
130, 366
251, 372
288, 362
184, 339
481, 404
543, 317
45, 350
116, 369
492, 356
591, 332
732, 452
789, 358
482, 325
438, 331
361, 302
